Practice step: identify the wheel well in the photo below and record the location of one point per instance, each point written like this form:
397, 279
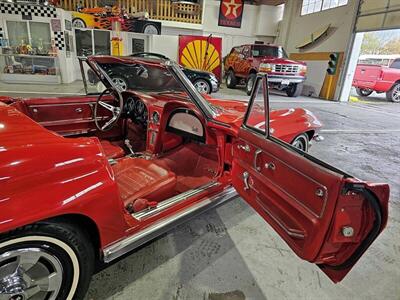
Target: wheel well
310, 134
83, 223
396, 82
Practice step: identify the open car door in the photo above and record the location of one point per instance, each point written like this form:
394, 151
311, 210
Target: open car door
326, 216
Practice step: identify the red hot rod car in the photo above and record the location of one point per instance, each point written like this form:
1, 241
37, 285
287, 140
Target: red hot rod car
87, 179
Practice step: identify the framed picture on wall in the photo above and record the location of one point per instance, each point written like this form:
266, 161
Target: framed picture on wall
137, 45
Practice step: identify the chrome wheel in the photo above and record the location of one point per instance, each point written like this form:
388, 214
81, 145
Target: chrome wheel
228, 80
29, 273
202, 86
78, 23
120, 83
396, 93
150, 29
301, 142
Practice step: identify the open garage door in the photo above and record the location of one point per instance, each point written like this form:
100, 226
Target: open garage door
378, 15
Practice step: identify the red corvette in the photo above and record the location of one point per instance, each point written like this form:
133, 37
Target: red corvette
90, 178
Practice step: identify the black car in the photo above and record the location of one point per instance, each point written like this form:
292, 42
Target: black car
125, 76
205, 82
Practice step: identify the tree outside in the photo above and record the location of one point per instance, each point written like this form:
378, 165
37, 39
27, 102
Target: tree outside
381, 42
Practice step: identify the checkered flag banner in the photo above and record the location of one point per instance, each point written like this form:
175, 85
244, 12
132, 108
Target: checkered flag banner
59, 40
28, 9
1, 33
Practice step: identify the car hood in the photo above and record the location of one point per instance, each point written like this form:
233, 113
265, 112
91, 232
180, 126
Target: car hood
284, 61
200, 72
283, 122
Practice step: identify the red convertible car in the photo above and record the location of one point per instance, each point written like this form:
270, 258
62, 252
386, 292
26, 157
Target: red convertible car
90, 178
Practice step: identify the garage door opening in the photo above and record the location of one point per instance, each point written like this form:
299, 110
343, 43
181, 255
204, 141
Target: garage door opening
373, 73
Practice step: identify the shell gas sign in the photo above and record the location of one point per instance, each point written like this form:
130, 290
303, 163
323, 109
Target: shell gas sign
201, 53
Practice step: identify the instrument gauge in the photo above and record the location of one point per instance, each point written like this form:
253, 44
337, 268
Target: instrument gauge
155, 117
140, 107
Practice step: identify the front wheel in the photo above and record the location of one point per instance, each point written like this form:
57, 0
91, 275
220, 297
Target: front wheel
45, 261
301, 142
202, 86
363, 92
394, 93
250, 82
120, 83
231, 80
294, 89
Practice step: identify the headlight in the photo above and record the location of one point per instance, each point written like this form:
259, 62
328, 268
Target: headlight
213, 77
303, 69
266, 67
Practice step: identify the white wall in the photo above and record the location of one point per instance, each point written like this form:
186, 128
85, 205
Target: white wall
296, 28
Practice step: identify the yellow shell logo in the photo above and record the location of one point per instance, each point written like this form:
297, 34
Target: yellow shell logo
200, 55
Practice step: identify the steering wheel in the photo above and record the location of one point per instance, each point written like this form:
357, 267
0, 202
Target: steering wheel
115, 110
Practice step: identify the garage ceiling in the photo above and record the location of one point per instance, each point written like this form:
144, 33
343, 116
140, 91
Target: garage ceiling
378, 15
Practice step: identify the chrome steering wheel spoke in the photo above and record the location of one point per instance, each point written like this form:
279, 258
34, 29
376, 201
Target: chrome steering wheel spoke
115, 110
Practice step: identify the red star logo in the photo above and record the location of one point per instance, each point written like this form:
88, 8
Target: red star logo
232, 9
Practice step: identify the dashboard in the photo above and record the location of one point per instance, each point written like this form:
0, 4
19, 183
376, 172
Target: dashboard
181, 120
136, 110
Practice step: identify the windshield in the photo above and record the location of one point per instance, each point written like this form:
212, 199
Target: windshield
146, 77
274, 51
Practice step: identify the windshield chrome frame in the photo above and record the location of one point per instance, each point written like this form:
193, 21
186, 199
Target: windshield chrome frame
195, 97
193, 93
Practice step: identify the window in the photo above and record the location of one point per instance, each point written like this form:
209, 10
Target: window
256, 114
84, 44
395, 64
313, 6
17, 33
89, 42
40, 37
261, 50
101, 42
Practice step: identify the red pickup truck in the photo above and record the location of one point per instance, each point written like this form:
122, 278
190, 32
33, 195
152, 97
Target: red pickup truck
244, 62
381, 79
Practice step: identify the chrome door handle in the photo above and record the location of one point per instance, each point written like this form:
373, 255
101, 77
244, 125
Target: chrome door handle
245, 147
78, 110
246, 180
270, 166
258, 151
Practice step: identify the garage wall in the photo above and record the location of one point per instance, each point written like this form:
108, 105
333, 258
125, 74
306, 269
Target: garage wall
295, 29
259, 23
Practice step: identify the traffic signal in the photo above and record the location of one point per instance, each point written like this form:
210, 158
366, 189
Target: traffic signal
333, 63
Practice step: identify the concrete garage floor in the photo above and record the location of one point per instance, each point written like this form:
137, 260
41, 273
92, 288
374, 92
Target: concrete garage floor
231, 253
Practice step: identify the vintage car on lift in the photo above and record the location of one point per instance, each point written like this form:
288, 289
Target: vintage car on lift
90, 178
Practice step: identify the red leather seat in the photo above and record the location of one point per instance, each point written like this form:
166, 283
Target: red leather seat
141, 181
111, 150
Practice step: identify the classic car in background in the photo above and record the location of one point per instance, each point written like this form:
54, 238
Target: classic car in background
103, 17
123, 74
90, 178
244, 62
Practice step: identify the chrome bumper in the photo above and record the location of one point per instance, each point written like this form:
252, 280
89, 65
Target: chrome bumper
214, 86
280, 78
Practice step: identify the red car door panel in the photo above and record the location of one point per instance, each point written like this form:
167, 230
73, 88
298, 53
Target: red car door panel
324, 215
65, 115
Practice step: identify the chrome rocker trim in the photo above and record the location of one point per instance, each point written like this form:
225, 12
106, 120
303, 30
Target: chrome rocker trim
173, 200
128, 244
